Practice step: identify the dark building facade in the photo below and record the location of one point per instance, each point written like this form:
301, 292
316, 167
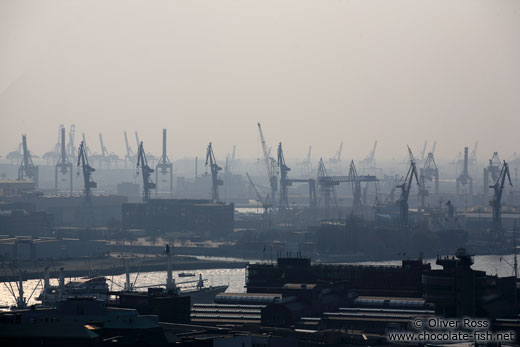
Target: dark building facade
180, 215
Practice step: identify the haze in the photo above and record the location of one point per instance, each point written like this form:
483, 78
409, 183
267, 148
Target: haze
312, 72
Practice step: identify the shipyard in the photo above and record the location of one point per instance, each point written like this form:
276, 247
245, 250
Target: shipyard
259, 173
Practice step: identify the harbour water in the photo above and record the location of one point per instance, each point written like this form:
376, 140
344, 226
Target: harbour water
234, 278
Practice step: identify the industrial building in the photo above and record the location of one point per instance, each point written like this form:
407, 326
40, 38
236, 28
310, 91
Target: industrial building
180, 215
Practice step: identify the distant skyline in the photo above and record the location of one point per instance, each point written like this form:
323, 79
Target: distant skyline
312, 72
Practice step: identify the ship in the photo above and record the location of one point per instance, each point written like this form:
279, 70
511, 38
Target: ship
92, 287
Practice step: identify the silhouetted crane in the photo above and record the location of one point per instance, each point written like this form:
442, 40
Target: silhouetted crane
63, 164
215, 179
498, 189
88, 182
27, 166
270, 165
164, 166
284, 170
142, 163
405, 189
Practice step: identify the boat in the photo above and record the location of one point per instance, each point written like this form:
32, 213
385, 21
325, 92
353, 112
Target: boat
186, 274
92, 287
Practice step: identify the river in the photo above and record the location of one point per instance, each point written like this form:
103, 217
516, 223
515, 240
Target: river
234, 278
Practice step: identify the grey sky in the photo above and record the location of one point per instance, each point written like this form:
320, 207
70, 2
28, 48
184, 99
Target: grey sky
312, 72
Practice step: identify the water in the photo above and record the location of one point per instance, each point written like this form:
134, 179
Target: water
235, 278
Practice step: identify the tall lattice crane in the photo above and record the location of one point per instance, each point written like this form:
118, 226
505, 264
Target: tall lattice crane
405, 189
164, 166
498, 189
215, 179
142, 163
493, 169
464, 178
88, 182
63, 164
270, 165
27, 166
284, 170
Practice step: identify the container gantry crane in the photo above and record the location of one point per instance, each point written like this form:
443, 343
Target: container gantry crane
164, 166
27, 166
270, 165
498, 189
88, 182
215, 179
63, 164
142, 163
405, 189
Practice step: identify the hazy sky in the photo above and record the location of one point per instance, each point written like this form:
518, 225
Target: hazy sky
313, 72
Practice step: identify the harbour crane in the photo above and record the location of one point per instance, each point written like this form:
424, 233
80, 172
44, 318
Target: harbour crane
356, 186
498, 189
369, 163
215, 179
86, 148
473, 156
129, 156
405, 189
493, 169
335, 161
63, 164
286, 182
270, 165
464, 178
266, 204
52, 156
72, 148
164, 166
142, 163
327, 190
88, 182
27, 166
430, 172
423, 152
284, 170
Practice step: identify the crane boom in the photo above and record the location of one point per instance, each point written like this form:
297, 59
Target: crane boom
215, 180
88, 182
142, 163
270, 164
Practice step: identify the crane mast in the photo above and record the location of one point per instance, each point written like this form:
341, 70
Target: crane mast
164, 166
284, 170
63, 164
145, 172
498, 189
88, 182
129, 157
27, 166
215, 179
270, 165
405, 189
